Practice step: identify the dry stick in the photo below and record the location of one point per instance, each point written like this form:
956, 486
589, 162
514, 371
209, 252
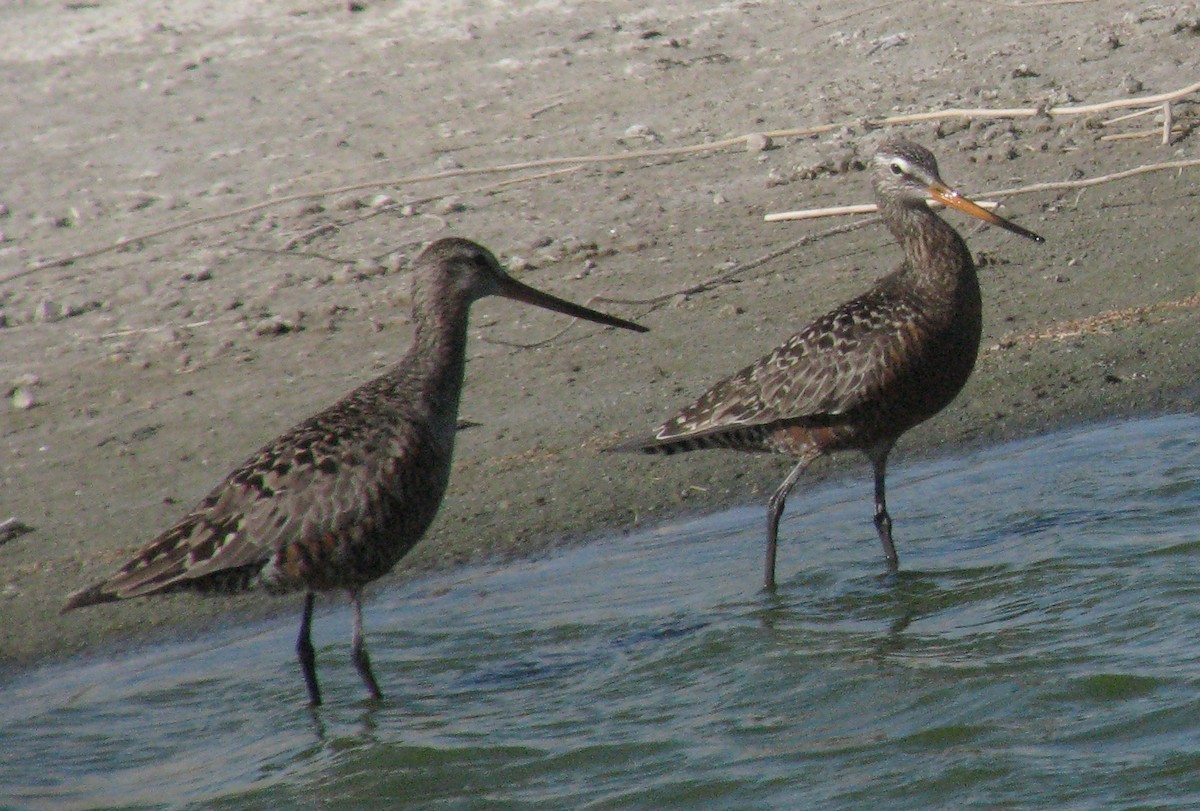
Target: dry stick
1137, 136
858, 208
400, 181
1059, 185
868, 10
1024, 112
313, 233
121, 243
1066, 185
657, 302
1128, 116
1029, 112
1036, 3
1093, 324
291, 252
1167, 121
143, 330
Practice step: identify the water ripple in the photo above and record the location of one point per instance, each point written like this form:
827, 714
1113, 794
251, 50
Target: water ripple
1037, 650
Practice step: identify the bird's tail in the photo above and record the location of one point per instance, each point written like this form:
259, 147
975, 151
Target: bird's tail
92, 595
747, 438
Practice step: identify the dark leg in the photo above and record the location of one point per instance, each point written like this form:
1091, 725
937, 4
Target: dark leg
304, 651
358, 653
883, 521
775, 512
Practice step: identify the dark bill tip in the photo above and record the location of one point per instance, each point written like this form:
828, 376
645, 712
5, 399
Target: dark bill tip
511, 288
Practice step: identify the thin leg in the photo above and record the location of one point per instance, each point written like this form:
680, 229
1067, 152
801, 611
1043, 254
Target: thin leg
306, 654
883, 521
775, 512
358, 653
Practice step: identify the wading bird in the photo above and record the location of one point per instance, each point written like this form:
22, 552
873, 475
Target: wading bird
860, 376
336, 501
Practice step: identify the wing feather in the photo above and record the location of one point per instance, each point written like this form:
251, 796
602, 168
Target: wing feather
325, 478
838, 363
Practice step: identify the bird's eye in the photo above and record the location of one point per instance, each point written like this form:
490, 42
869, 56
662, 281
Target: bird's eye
897, 169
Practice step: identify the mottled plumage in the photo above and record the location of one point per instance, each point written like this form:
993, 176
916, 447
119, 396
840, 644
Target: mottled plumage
860, 376
336, 501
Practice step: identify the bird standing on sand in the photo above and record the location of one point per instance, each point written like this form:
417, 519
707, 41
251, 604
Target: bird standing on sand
860, 376
336, 501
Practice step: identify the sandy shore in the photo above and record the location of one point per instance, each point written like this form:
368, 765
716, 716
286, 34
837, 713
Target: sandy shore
136, 378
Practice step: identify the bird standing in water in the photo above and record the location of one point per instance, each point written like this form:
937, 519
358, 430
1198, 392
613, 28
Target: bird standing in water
860, 376
336, 501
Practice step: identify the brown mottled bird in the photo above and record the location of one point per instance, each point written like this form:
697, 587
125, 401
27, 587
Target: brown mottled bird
336, 501
860, 376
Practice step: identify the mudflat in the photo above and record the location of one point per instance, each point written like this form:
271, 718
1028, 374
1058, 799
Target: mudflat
277, 167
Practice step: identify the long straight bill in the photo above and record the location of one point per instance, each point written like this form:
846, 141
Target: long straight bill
951, 198
511, 288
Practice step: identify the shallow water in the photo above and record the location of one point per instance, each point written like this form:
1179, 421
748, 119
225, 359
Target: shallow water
1039, 649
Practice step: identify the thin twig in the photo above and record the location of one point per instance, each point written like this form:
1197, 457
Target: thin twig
725, 276
657, 302
1137, 136
861, 208
1128, 116
1060, 185
1036, 3
534, 345
545, 108
143, 330
1020, 112
1100, 323
313, 233
1030, 112
285, 251
856, 13
310, 235
1086, 182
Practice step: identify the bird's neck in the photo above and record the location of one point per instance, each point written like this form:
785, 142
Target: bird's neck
431, 373
935, 255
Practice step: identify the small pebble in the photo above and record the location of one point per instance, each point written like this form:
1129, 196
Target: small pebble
640, 131
366, 268
140, 201
23, 399
450, 205
202, 275
346, 274
758, 142
47, 312
274, 325
518, 264
306, 208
